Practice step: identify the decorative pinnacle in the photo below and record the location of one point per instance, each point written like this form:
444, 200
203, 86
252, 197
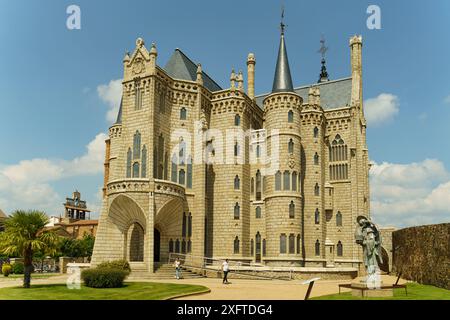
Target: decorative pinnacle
153, 49
199, 74
127, 57
251, 58
232, 79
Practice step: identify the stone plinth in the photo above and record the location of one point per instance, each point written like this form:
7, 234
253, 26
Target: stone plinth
361, 289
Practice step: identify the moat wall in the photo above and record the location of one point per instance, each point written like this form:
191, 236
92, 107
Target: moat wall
422, 254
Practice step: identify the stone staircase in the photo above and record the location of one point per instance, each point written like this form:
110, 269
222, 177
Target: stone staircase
163, 271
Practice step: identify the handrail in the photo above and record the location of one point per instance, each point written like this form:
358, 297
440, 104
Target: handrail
235, 266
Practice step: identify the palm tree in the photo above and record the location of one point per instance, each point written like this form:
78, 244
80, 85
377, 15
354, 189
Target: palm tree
24, 235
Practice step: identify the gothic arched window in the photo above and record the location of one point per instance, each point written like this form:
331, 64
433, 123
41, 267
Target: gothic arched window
183, 113
183, 227
182, 151
258, 185
236, 245
294, 181
237, 120
291, 243
316, 132
290, 116
283, 243
258, 151
174, 171
286, 180
136, 170
137, 145
189, 174
129, 156
316, 190
258, 212
298, 244
278, 181
291, 146
236, 149
317, 248
170, 245
177, 246
182, 177
317, 217
237, 183
189, 225
316, 159
237, 211
339, 219
264, 247
292, 210
340, 249
252, 185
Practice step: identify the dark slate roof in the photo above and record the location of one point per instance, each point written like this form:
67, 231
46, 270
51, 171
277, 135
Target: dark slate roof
333, 94
119, 115
181, 67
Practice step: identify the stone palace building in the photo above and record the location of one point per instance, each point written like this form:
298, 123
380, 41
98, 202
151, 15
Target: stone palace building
192, 168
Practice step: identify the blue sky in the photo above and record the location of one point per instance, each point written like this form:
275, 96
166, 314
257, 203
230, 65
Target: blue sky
56, 88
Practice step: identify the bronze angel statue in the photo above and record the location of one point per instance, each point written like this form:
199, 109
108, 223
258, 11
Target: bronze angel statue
368, 236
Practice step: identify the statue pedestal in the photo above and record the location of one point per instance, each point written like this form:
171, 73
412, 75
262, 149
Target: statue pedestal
361, 289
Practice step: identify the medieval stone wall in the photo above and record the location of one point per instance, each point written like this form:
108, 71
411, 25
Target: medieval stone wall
422, 254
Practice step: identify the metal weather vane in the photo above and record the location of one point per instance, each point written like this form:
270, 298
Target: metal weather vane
323, 49
282, 25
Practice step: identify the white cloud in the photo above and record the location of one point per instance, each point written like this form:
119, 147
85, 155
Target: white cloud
381, 109
111, 94
410, 194
26, 184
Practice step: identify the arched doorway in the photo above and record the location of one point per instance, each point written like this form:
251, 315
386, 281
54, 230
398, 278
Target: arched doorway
156, 245
136, 243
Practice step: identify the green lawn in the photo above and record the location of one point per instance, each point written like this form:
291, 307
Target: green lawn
130, 291
415, 292
33, 276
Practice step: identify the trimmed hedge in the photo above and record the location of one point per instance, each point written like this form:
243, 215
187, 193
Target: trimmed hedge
104, 277
116, 264
18, 268
6, 269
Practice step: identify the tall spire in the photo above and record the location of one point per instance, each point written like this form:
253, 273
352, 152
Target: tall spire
282, 81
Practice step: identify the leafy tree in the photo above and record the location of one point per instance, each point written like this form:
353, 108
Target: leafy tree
87, 245
24, 235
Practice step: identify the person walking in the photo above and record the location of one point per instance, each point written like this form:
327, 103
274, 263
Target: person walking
177, 268
225, 269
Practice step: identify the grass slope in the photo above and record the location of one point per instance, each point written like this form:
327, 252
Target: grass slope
415, 292
130, 291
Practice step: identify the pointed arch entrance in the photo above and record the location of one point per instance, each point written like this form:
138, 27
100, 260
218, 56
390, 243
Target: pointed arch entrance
169, 229
130, 222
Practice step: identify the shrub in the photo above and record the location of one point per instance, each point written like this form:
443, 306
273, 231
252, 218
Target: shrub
18, 268
6, 269
103, 277
116, 264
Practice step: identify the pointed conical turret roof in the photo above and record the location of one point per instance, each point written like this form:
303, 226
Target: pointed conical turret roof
282, 81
